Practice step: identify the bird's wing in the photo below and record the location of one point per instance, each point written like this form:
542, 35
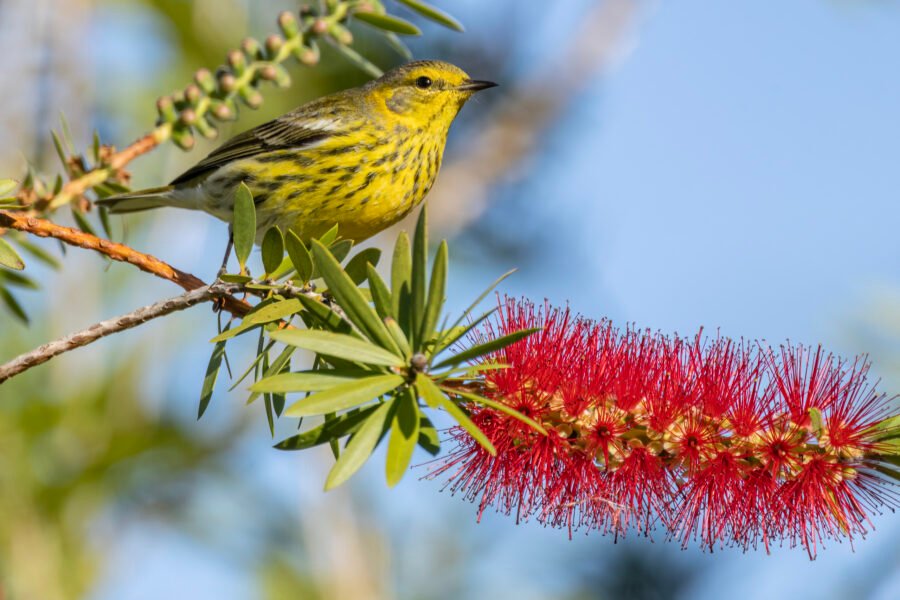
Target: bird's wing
290, 131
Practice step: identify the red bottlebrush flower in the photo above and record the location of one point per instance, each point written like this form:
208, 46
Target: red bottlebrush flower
713, 440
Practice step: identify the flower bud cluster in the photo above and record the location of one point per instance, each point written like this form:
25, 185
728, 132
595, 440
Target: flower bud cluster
714, 440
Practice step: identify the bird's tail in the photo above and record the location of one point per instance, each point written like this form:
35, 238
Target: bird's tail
140, 200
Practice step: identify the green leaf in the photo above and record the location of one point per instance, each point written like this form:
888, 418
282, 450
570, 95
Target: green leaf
243, 224
82, 222
360, 447
7, 186
103, 213
388, 23
486, 348
403, 439
329, 237
18, 280
300, 256
419, 277
344, 396
326, 317
381, 295
308, 381
499, 406
401, 273
350, 299
815, 418
356, 268
338, 345
481, 297
263, 313
451, 336
328, 431
401, 48
429, 440
233, 278
9, 257
340, 250
399, 337
39, 253
13, 305
278, 365
436, 292
435, 397
272, 250
212, 373
356, 58
435, 14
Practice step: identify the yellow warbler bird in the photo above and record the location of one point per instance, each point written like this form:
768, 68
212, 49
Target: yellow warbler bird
362, 158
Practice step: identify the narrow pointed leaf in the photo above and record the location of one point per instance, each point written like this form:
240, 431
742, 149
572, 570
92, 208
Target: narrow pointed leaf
299, 255
399, 337
344, 396
403, 439
435, 397
278, 365
357, 267
9, 257
82, 222
419, 276
451, 336
486, 348
327, 431
272, 250
401, 273
401, 48
388, 23
357, 59
436, 291
243, 224
324, 316
435, 14
360, 447
340, 250
338, 345
381, 295
429, 440
274, 311
39, 253
349, 297
500, 407
13, 305
212, 373
308, 381
7, 186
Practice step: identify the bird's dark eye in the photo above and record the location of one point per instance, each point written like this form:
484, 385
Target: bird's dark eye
423, 82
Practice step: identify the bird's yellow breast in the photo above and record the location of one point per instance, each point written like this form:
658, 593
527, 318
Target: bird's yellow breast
365, 181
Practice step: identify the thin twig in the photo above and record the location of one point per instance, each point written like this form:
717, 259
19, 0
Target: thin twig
121, 252
93, 333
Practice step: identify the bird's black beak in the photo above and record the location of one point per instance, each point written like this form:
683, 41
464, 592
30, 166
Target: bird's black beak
473, 85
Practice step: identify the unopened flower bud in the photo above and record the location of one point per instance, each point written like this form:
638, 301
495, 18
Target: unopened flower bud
288, 24
166, 108
183, 138
206, 129
341, 34
227, 82
251, 97
237, 61
192, 94
273, 44
224, 110
205, 80
320, 26
251, 47
188, 117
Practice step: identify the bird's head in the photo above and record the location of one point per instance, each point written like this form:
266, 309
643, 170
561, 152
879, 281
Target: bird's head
423, 92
